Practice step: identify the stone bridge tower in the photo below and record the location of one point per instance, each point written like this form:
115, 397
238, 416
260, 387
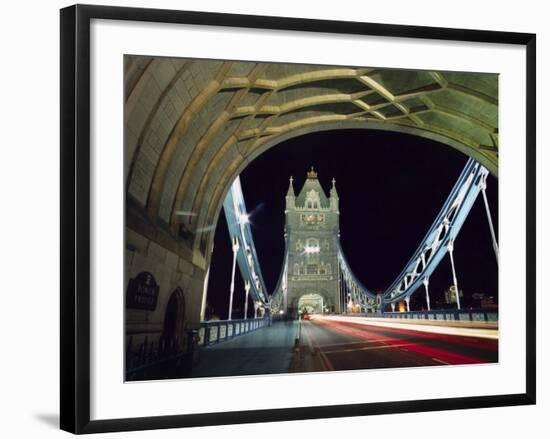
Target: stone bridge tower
312, 228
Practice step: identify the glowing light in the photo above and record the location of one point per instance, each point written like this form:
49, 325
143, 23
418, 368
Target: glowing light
311, 249
185, 213
243, 218
235, 245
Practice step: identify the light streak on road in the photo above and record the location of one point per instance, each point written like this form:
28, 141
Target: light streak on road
416, 347
446, 330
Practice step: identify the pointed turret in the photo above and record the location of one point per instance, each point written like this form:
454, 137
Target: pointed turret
290, 196
333, 192
290, 192
333, 196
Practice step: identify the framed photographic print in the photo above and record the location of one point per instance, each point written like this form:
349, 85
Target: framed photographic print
272, 218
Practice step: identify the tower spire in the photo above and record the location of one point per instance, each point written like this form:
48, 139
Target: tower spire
312, 173
334, 196
333, 192
290, 192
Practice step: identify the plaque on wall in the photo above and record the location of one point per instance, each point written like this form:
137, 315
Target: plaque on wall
142, 292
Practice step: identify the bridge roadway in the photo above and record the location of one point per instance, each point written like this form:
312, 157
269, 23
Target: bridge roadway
266, 350
346, 343
342, 343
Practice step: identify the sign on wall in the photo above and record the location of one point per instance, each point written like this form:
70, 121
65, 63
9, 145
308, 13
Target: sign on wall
142, 292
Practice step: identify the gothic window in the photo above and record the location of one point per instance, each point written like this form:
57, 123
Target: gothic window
312, 200
312, 242
328, 269
311, 268
296, 269
299, 245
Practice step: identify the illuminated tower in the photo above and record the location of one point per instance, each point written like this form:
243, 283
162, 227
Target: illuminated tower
311, 231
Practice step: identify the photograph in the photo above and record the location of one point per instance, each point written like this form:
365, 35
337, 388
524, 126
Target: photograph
284, 218
275, 219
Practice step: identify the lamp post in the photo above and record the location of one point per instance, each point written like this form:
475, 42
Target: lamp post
235, 248
450, 247
426, 282
246, 289
488, 211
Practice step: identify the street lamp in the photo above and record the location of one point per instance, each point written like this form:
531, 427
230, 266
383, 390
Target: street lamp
235, 247
243, 218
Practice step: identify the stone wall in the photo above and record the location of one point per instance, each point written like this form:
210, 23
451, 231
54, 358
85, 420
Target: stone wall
171, 272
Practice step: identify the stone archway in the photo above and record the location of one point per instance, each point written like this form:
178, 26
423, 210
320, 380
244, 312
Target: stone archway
215, 116
308, 294
173, 332
312, 303
192, 125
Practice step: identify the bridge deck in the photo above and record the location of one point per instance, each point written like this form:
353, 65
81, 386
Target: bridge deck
457, 328
348, 344
267, 350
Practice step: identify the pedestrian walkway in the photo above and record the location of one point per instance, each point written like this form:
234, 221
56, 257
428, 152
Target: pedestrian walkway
266, 350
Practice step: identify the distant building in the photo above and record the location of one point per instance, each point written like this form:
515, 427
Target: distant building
482, 300
450, 294
478, 296
488, 302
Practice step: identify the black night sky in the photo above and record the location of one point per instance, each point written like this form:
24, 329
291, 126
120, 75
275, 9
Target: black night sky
391, 186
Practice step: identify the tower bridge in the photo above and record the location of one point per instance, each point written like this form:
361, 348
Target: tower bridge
316, 281
192, 126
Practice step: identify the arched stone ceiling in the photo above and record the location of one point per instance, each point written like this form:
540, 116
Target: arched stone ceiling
192, 125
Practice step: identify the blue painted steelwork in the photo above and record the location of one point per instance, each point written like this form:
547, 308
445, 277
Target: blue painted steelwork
358, 293
441, 234
278, 299
247, 258
422, 264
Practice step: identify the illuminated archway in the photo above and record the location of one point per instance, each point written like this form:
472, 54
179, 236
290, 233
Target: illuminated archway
191, 126
312, 303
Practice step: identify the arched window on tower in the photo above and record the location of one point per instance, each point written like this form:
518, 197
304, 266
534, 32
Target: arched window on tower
312, 242
312, 200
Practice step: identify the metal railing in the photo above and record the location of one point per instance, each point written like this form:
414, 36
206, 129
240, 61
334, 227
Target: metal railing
463, 315
159, 358
215, 331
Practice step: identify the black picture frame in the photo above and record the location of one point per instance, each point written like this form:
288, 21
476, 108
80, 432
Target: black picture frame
75, 217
